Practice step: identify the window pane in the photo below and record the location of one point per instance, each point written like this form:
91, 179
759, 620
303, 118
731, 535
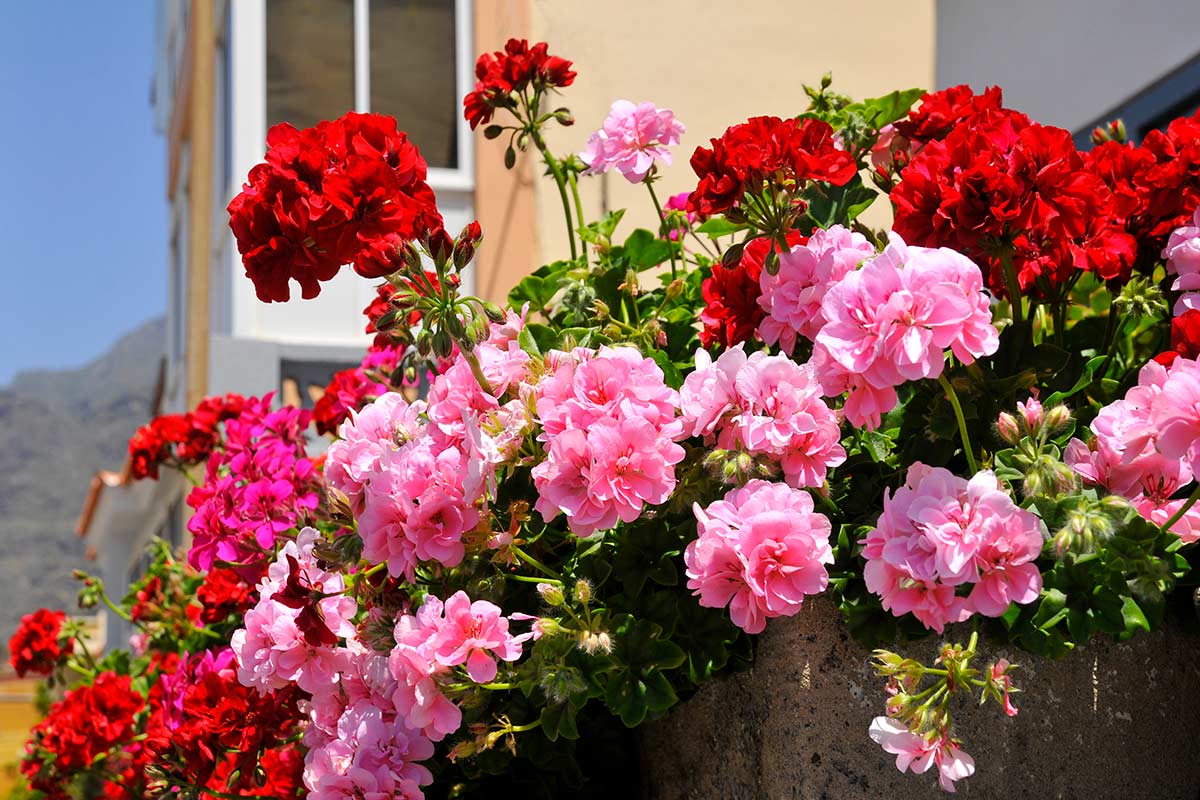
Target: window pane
310, 60
413, 73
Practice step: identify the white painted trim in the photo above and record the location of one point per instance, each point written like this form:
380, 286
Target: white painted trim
248, 107
362, 55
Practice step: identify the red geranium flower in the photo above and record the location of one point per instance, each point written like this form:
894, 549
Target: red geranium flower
90, 721
940, 112
765, 149
731, 312
1185, 338
342, 192
518, 66
36, 646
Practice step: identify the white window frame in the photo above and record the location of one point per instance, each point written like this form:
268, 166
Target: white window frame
248, 105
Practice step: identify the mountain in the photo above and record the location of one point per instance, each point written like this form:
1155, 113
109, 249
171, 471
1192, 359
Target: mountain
57, 428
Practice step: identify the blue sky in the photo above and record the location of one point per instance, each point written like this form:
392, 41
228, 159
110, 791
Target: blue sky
82, 206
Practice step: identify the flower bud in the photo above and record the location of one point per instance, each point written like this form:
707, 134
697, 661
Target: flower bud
1006, 426
601, 310
440, 246
465, 246
1057, 418
551, 594
674, 289
593, 642
1032, 414
583, 591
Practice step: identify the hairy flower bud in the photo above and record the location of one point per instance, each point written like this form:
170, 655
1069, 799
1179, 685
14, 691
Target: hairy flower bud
1006, 426
583, 591
552, 595
593, 642
1057, 418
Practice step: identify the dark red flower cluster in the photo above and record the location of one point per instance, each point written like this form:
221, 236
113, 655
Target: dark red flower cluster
90, 721
731, 312
1156, 185
1000, 186
349, 191
1185, 338
224, 593
36, 646
515, 68
205, 724
940, 112
186, 439
936, 115
765, 150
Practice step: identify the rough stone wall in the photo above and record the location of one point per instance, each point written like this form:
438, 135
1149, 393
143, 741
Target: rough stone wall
1107, 721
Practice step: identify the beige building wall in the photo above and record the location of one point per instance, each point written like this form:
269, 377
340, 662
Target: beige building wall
714, 65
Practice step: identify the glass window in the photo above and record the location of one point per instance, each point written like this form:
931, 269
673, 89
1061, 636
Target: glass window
310, 60
413, 69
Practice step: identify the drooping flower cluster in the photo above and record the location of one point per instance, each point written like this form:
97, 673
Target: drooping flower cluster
181, 439
92, 722
350, 191
515, 68
1143, 446
1002, 189
918, 753
779, 152
791, 298
632, 138
939, 532
609, 426
38, 645
290, 634
258, 484
768, 407
761, 551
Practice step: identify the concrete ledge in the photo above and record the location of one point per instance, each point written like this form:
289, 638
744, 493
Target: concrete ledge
1107, 721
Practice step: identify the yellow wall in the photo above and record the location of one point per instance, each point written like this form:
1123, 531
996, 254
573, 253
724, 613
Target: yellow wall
714, 64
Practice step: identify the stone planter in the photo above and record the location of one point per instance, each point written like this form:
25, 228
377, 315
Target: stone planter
1107, 721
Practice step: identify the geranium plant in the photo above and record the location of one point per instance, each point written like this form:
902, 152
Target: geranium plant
984, 421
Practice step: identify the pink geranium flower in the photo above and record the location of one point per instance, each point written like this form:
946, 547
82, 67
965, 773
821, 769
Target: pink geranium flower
632, 138
1182, 255
791, 298
767, 406
939, 531
1175, 414
918, 753
474, 634
761, 550
273, 649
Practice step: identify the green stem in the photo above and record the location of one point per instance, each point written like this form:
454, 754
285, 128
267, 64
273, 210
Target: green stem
119, 612
532, 579
527, 727
1013, 286
663, 219
556, 169
1183, 509
573, 180
533, 562
477, 370
952, 396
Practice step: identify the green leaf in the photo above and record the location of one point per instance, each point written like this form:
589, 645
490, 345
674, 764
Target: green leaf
880, 111
671, 373
559, 721
1085, 380
719, 226
601, 231
626, 697
645, 250
1133, 615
